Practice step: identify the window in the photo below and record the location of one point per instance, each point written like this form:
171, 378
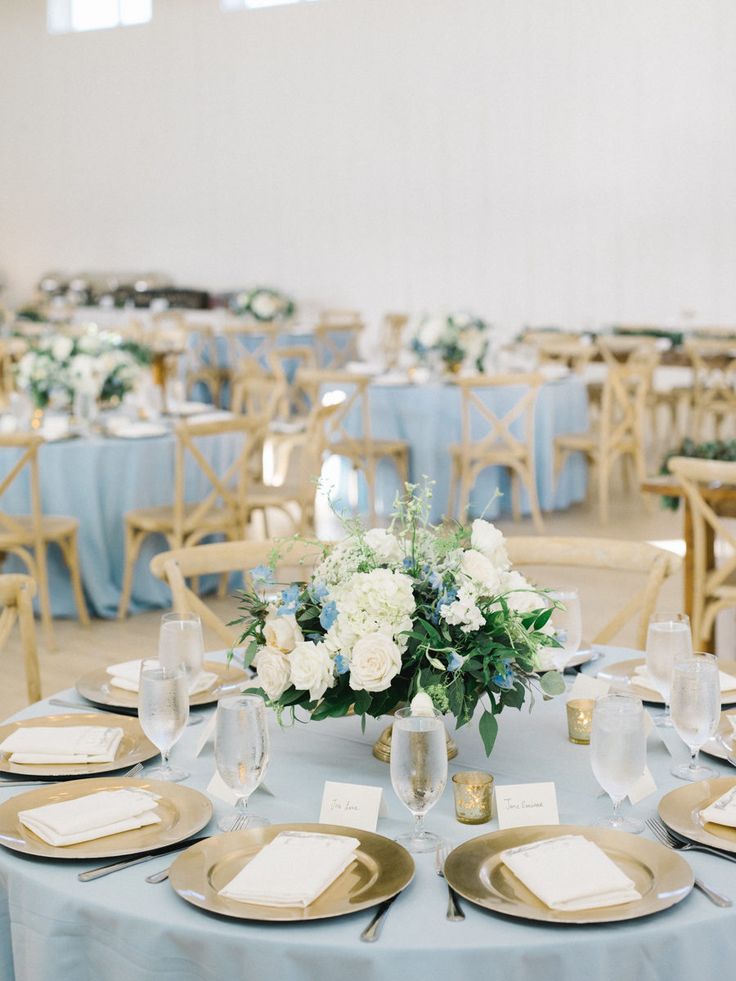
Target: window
256, 4
93, 15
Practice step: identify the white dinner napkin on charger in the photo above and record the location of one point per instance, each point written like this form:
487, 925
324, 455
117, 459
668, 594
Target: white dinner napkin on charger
126, 675
570, 873
292, 870
95, 816
722, 811
63, 744
645, 680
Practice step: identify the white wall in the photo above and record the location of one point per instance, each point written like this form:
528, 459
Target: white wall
565, 161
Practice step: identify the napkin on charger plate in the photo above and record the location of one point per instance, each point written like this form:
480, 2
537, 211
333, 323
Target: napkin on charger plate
96, 816
63, 744
292, 870
722, 811
643, 679
126, 675
570, 873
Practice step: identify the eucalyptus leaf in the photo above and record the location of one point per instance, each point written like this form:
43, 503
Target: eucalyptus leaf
552, 683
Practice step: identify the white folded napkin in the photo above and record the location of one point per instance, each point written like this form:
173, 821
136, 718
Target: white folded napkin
570, 873
292, 870
722, 811
126, 675
63, 744
124, 429
644, 680
95, 816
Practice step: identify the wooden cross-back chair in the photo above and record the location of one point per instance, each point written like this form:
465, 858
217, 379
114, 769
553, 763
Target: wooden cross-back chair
573, 353
16, 600
28, 536
714, 589
225, 558
619, 432
348, 429
655, 565
289, 360
714, 383
223, 509
201, 361
499, 445
336, 342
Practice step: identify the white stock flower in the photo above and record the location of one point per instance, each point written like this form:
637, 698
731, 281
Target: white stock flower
374, 663
282, 632
274, 671
384, 545
312, 669
61, 348
464, 612
486, 538
521, 594
481, 571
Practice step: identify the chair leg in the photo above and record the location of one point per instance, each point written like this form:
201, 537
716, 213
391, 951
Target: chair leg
603, 477
28, 639
44, 600
133, 542
70, 549
515, 495
454, 478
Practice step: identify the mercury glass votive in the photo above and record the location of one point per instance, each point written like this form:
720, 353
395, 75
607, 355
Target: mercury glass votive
473, 796
580, 719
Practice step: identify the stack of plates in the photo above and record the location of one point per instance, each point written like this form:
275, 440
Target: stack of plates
680, 811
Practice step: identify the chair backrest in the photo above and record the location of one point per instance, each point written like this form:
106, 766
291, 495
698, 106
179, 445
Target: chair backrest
654, 564
227, 487
337, 343
291, 359
574, 353
16, 600
714, 376
697, 477
27, 445
346, 394
625, 390
178, 565
250, 346
257, 396
486, 432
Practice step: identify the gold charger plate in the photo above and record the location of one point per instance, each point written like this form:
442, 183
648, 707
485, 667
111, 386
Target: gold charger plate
96, 688
183, 812
134, 746
381, 869
727, 733
625, 672
680, 811
475, 871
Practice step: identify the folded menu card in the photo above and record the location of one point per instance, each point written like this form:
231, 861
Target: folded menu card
63, 744
95, 816
292, 870
570, 873
722, 811
126, 675
644, 680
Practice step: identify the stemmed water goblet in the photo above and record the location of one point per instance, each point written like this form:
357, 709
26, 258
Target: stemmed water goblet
163, 711
418, 771
696, 710
241, 754
668, 640
180, 641
618, 752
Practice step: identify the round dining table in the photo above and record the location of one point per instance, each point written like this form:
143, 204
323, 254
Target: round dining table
121, 928
96, 479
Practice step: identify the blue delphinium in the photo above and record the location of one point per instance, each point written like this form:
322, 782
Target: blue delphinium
341, 664
454, 661
289, 601
261, 575
504, 677
328, 615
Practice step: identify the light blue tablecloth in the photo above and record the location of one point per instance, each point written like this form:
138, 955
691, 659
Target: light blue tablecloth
97, 480
53, 928
428, 417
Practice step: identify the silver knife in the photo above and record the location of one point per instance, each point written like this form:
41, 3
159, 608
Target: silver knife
373, 930
128, 862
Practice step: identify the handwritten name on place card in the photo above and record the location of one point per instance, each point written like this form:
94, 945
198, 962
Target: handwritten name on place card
522, 804
351, 804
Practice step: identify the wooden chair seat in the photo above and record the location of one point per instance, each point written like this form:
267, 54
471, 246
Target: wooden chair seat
375, 448
500, 456
162, 519
53, 528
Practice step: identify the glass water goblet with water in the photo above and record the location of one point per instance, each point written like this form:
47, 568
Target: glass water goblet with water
567, 625
180, 641
696, 710
668, 640
241, 754
618, 752
418, 771
163, 711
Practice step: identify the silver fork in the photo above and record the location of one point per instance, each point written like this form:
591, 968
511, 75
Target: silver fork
662, 834
454, 910
240, 822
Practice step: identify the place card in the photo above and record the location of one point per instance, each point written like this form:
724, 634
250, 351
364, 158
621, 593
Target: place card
208, 732
352, 804
643, 787
218, 788
586, 686
522, 804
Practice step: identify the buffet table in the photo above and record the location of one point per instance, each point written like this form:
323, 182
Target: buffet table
119, 928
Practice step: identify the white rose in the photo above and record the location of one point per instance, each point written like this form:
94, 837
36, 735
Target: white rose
479, 569
374, 663
385, 546
312, 668
282, 632
264, 305
274, 672
62, 348
486, 538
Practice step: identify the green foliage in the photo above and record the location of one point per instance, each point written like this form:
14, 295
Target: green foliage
717, 449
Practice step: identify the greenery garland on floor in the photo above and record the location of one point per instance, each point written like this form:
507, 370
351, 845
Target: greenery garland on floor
717, 449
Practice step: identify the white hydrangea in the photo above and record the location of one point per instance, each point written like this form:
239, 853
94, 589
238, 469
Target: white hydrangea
381, 601
464, 612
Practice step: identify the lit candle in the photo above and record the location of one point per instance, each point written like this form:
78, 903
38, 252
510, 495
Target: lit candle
580, 719
473, 796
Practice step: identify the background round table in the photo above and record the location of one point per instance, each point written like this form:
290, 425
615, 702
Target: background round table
119, 928
97, 480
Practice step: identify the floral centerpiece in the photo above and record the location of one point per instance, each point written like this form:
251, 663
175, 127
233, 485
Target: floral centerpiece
101, 365
387, 614
457, 338
265, 305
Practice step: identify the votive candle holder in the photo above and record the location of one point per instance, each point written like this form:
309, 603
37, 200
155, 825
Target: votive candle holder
473, 792
580, 720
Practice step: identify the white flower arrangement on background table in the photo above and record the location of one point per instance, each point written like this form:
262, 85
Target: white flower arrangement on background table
457, 339
264, 304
